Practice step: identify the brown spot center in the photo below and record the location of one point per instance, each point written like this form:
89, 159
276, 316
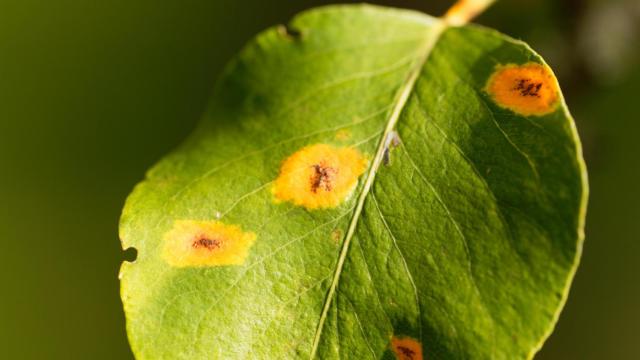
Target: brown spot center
526, 87
204, 242
322, 177
408, 353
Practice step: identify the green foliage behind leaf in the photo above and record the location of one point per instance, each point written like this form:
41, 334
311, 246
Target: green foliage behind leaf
462, 235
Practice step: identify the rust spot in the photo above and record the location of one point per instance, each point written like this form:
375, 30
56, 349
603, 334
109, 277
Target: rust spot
206, 243
529, 89
323, 177
406, 348
319, 176
203, 242
406, 352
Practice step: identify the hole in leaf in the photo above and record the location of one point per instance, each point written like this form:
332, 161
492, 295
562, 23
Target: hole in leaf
130, 254
290, 32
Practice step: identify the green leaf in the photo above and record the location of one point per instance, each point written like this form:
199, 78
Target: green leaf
366, 183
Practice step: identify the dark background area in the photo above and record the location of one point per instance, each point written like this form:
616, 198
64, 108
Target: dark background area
92, 93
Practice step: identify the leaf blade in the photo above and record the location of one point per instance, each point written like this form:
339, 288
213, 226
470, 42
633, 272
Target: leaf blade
193, 309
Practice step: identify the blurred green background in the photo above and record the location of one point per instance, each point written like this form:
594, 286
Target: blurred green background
92, 93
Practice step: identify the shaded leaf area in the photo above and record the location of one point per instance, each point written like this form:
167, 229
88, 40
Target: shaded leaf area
463, 241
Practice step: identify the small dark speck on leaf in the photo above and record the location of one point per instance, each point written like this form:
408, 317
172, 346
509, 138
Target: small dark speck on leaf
528, 88
406, 352
392, 141
207, 243
385, 157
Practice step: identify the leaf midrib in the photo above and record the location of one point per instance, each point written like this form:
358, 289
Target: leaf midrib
401, 99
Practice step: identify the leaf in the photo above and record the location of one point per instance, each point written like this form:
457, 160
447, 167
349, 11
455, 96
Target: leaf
366, 183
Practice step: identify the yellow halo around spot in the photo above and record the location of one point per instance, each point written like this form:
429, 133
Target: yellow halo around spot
319, 176
406, 348
206, 243
529, 89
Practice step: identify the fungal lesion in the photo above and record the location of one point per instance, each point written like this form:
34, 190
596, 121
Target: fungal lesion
193, 243
406, 348
323, 177
206, 243
319, 176
406, 352
527, 89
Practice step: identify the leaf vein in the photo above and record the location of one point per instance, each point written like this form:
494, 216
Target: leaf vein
400, 102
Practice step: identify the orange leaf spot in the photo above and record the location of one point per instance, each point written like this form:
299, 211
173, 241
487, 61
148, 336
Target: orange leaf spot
319, 176
206, 243
529, 89
406, 348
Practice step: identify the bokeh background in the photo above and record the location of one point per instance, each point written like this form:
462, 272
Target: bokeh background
92, 93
